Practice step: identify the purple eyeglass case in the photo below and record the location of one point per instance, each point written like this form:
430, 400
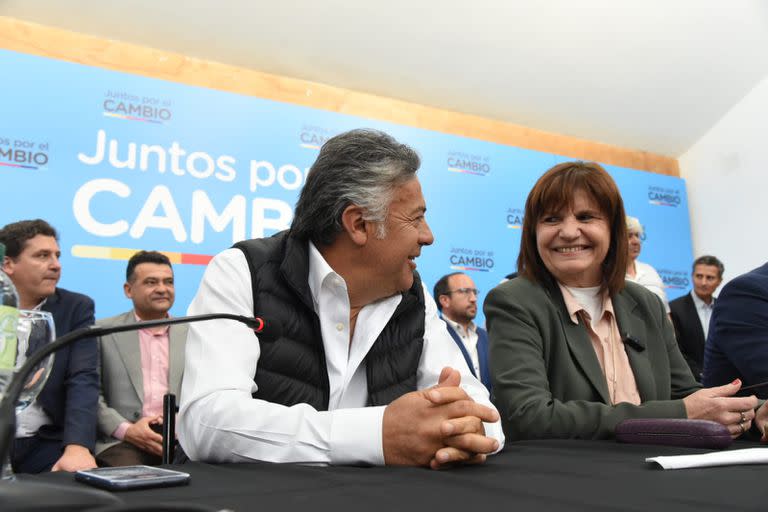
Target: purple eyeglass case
674, 432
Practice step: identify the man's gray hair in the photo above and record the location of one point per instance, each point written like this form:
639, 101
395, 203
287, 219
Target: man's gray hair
633, 225
361, 167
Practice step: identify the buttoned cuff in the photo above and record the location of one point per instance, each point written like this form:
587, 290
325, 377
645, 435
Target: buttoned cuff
356, 436
495, 431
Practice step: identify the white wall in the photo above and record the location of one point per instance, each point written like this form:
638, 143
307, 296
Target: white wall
727, 179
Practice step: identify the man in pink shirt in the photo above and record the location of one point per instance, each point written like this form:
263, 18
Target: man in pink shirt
139, 367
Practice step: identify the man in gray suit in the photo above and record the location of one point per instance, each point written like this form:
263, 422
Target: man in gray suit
139, 367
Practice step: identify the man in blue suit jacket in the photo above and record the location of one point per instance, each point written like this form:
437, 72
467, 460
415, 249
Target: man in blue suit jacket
58, 430
737, 345
456, 298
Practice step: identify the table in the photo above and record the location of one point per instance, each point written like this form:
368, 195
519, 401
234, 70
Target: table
546, 475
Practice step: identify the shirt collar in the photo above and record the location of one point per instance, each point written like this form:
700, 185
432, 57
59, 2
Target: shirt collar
319, 271
700, 303
154, 330
573, 306
458, 327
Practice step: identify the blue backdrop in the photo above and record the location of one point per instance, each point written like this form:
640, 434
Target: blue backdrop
118, 162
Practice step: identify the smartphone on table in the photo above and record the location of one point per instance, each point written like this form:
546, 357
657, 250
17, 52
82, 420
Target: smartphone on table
131, 477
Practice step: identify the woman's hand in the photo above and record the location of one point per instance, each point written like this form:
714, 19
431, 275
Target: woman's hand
761, 420
718, 404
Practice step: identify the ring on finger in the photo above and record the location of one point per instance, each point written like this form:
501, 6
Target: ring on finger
742, 427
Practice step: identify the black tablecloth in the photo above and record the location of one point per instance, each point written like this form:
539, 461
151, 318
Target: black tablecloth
533, 475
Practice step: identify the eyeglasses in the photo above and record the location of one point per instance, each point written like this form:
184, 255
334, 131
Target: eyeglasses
464, 291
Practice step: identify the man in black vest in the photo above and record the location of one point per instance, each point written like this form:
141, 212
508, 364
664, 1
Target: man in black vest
363, 371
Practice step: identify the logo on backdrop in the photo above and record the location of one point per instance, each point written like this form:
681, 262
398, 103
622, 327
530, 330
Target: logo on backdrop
675, 279
313, 137
159, 210
470, 259
132, 107
514, 218
23, 153
662, 196
467, 163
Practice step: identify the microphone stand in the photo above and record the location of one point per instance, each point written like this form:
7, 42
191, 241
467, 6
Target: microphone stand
19, 495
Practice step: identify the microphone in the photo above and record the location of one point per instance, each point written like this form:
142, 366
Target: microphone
267, 331
754, 386
169, 426
633, 342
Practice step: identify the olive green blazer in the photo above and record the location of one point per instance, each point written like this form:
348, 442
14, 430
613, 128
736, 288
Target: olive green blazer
547, 381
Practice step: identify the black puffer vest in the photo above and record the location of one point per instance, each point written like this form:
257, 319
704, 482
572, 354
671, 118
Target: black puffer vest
292, 369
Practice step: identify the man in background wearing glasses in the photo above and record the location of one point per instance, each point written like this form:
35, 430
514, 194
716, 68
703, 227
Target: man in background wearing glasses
456, 297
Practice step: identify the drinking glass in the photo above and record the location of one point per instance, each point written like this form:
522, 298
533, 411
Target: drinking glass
34, 330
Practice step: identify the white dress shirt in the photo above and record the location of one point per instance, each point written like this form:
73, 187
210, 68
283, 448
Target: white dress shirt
704, 311
220, 421
647, 276
468, 338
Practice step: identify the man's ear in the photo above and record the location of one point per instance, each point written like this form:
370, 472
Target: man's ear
444, 301
127, 290
354, 224
6, 265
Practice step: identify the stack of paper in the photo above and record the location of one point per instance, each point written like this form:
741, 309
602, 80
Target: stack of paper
723, 458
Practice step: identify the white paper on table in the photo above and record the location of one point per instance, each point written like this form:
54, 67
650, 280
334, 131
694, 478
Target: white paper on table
724, 458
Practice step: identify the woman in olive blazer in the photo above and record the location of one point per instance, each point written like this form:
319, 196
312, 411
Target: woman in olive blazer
551, 384
548, 377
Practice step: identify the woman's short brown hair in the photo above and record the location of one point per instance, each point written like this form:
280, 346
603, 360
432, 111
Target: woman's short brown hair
554, 191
